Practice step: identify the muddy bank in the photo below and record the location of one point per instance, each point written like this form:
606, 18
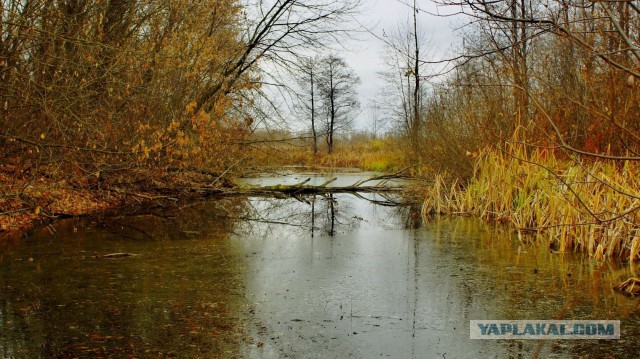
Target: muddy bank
28, 204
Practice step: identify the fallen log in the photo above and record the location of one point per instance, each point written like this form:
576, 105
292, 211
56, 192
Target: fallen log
109, 255
302, 188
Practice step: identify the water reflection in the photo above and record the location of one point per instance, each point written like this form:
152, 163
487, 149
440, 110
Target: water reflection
500, 279
320, 276
370, 281
329, 214
180, 295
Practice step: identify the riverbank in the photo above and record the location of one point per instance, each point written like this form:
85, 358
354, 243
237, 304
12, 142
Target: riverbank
381, 155
591, 206
33, 203
29, 202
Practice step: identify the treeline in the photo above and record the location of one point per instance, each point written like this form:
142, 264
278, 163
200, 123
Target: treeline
566, 71
95, 87
535, 122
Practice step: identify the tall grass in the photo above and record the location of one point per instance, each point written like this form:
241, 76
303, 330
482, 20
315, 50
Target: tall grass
585, 207
370, 155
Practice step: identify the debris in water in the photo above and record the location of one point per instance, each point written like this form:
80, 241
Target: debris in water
630, 287
115, 255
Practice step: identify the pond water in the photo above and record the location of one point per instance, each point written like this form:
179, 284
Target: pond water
336, 276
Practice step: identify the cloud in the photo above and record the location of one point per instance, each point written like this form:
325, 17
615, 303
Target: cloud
386, 16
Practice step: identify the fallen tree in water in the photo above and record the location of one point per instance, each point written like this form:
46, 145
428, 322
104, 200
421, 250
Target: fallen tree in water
159, 191
303, 188
39, 204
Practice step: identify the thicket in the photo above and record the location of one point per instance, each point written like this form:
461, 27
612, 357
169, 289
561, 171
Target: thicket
108, 96
92, 88
537, 123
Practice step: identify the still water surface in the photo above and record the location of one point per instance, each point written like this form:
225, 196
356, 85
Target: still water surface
339, 276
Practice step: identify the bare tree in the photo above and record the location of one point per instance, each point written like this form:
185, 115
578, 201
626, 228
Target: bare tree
308, 82
337, 86
406, 62
378, 122
279, 33
598, 46
415, 73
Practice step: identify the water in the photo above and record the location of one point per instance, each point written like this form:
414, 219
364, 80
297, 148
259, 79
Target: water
328, 276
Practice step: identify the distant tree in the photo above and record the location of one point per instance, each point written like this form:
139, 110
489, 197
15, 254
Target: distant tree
377, 119
309, 97
337, 87
406, 59
279, 33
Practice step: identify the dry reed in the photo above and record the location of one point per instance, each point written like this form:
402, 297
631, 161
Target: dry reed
585, 207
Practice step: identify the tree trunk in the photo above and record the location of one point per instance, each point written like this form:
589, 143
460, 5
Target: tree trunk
415, 131
332, 110
313, 115
519, 60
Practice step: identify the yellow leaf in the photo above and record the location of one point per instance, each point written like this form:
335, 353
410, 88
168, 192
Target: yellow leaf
42, 136
38, 210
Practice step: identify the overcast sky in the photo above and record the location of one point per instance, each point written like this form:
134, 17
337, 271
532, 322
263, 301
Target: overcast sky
387, 15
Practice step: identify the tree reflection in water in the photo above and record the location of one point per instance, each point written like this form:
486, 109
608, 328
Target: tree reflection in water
328, 214
181, 294
208, 278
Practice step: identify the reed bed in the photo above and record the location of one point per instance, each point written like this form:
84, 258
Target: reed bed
369, 155
575, 206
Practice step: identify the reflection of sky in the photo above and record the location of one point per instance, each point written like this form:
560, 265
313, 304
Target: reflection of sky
349, 213
315, 179
377, 290
314, 292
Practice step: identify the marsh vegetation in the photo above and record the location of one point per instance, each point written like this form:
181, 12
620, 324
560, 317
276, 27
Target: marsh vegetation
136, 218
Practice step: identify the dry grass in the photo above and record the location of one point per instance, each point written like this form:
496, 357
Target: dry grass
585, 207
370, 155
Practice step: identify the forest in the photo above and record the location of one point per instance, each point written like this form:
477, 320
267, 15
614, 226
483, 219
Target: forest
533, 122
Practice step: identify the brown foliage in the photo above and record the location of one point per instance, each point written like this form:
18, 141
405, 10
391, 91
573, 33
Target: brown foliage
98, 86
92, 90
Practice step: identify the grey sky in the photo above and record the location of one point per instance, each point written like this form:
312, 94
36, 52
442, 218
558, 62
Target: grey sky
366, 56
